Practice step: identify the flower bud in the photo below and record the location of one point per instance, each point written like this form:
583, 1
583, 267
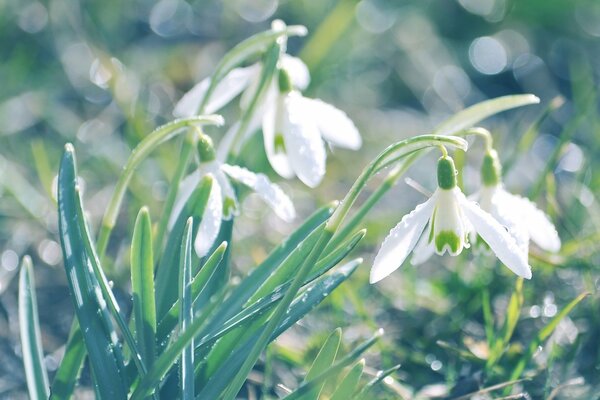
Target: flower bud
446, 173
491, 170
206, 150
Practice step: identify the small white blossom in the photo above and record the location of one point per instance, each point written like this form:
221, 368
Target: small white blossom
450, 218
294, 127
222, 201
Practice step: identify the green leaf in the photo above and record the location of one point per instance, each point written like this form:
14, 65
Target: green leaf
325, 358
241, 293
380, 377
98, 333
70, 366
142, 284
166, 274
302, 305
186, 316
169, 321
334, 369
347, 386
31, 343
544, 334
480, 111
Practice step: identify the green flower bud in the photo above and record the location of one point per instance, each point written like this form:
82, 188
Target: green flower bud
491, 170
446, 173
285, 82
206, 150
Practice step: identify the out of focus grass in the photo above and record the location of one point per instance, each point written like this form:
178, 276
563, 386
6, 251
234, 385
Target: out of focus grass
103, 74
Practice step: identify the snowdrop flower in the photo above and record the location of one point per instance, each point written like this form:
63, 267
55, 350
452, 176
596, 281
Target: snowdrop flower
519, 215
450, 218
222, 201
294, 127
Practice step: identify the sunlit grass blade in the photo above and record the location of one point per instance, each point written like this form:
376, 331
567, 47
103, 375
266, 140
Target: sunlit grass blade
166, 274
302, 305
543, 334
470, 116
70, 366
249, 285
169, 321
139, 154
324, 359
98, 333
347, 386
142, 285
363, 394
334, 369
31, 342
186, 314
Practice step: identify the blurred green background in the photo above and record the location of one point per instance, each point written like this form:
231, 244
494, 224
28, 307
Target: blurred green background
103, 74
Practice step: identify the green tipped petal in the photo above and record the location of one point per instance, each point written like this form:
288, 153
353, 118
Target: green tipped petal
448, 240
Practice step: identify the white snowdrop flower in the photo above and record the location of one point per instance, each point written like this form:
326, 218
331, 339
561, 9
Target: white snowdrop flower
222, 202
519, 215
294, 127
450, 217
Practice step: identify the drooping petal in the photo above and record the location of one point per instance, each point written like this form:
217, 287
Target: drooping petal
229, 87
267, 190
401, 240
297, 70
541, 230
211, 221
497, 237
275, 154
423, 250
186, 188
303, 143
335, 126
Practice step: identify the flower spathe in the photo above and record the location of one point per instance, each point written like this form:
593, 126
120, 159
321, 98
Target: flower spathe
450, 217
222, 202
295, 128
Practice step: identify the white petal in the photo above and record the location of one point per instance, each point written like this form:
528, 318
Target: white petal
449, 219
500, 241
423, 250
335, 126
297, 70
230, 86
278, 159
508, 216
186, 188
267, 190
541, 230
211, 221
401, 240
303, 143
228, 194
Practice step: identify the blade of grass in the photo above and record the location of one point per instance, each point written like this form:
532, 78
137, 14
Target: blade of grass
543, 334
98, 332
142, 284
336, 368
31, 342
346, 388
186, 316
380, 377
325, 358
70, 366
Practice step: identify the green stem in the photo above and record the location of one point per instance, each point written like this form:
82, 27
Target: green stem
186, 151
143, 149
481, 132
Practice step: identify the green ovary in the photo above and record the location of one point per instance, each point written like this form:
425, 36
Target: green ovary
447, 240
279, 143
